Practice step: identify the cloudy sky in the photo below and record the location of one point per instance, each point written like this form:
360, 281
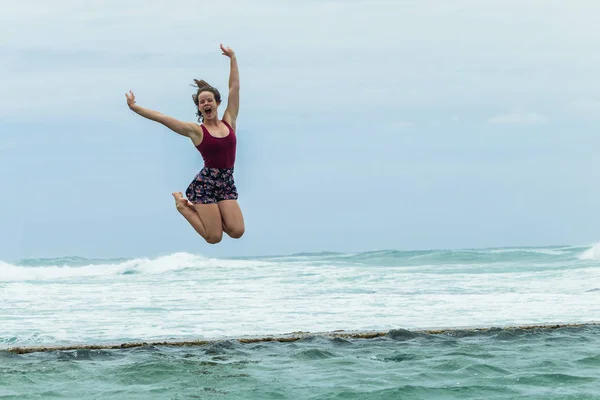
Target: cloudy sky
364, 124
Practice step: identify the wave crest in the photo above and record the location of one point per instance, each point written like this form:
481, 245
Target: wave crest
593, 253
63, 268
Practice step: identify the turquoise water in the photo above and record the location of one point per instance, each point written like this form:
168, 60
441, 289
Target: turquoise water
75, 301
501, 364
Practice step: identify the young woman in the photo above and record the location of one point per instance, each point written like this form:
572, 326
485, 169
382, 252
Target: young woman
211, 206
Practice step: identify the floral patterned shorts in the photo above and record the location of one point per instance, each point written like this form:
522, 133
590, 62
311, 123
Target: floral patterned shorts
212, 185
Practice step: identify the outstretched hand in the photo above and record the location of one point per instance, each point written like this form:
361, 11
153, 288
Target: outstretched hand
227, 51
130, 99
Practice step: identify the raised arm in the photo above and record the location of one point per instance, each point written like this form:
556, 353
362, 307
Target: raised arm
183, 128
233, 99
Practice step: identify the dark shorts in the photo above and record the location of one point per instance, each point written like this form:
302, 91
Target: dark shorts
212, 185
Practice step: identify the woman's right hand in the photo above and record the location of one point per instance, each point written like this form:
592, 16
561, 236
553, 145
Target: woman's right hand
130, 99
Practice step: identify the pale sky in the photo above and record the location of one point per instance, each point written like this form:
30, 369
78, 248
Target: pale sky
363, 125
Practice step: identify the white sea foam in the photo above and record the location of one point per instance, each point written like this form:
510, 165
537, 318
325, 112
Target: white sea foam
593, 253
184, 295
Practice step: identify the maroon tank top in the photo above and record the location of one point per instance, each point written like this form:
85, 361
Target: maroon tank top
218, 152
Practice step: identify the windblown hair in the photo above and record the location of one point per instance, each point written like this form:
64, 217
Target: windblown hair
203, 86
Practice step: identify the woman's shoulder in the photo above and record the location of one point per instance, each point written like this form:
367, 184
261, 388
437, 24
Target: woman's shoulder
229, 124
197, 131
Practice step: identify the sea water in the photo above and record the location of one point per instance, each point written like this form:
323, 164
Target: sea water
76, 302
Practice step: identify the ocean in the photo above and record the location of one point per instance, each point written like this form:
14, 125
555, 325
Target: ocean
502, 323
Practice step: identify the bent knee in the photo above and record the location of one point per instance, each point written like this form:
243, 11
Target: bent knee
213, 238
236, 233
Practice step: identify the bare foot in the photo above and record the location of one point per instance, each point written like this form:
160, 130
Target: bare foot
181, 202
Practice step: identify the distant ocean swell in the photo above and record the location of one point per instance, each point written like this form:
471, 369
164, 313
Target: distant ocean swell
40, 269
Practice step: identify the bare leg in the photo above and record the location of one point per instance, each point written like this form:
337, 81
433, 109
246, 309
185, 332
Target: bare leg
202, 217
233, 220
